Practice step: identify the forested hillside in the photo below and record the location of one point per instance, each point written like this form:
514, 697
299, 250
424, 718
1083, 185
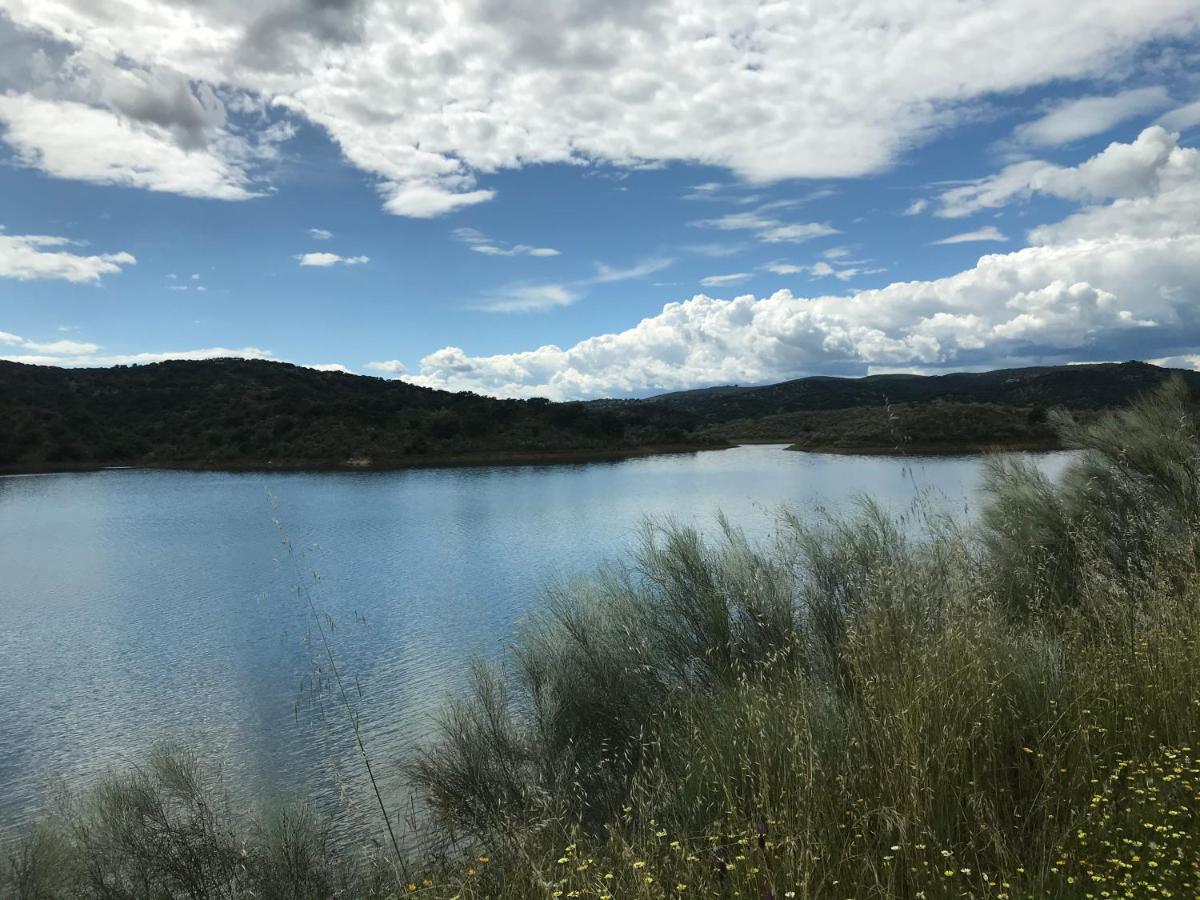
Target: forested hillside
250, 412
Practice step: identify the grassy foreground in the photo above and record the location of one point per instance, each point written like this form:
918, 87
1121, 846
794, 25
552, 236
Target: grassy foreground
1008, 710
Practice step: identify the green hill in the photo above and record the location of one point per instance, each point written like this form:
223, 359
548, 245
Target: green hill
231, 413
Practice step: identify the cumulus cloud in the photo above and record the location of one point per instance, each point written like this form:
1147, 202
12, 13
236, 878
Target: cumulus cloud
989, 233
431, 98
27, 257
388, 367
1044, 301
1087, 116
320, 234
324, 260
71, 140
1151, 165
481, 243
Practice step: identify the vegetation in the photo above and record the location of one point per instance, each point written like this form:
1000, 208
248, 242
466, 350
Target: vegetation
865, 707
936, 426
231, 412
252, 413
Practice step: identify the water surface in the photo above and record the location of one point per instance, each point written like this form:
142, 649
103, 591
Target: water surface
138, 606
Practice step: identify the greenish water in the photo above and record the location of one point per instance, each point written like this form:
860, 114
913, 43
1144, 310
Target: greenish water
138, 606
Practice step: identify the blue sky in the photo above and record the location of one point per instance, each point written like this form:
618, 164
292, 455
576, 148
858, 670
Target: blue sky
532, 198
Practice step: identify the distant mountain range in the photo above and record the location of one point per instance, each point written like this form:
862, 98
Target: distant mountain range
233, 413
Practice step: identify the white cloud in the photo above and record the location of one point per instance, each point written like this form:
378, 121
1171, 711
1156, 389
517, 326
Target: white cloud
324, 260
388, 367
767, 227
917, 207
94, 359
328, 367
1045, 300
1181, 118
432, 97
70, 348
530, 298
1087, 116
607, 274
988, 233
481, 243
785, 268
819, 269
319, 234
796, 233
720, 280
26, 257
1148, 166
427, 199
714, 249
67, 139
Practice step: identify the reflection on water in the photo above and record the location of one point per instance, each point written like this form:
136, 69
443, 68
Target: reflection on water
138, 606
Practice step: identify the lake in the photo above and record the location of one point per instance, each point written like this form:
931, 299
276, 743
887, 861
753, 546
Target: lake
140, 605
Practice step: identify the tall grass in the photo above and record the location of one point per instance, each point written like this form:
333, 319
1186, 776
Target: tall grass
857, 708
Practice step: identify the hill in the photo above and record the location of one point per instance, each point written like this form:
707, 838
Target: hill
232, 413
961, 411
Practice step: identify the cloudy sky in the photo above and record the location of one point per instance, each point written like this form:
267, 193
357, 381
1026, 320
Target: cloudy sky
573, 198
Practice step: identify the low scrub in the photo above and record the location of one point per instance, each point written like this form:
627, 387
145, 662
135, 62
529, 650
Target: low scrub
866, 706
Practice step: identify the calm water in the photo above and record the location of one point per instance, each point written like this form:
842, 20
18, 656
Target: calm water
137, 606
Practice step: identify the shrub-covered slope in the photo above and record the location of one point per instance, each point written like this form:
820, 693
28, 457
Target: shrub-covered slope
253, 412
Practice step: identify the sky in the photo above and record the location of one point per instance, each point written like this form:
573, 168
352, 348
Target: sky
578, 199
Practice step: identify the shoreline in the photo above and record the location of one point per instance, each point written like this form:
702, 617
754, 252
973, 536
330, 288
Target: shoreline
456, 461
525, 457
966, 449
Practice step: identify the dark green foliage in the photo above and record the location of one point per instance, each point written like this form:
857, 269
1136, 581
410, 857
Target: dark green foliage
232, 412
247, 412
1095, 386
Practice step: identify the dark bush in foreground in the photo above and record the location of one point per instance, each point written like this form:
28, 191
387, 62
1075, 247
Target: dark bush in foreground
865, 707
